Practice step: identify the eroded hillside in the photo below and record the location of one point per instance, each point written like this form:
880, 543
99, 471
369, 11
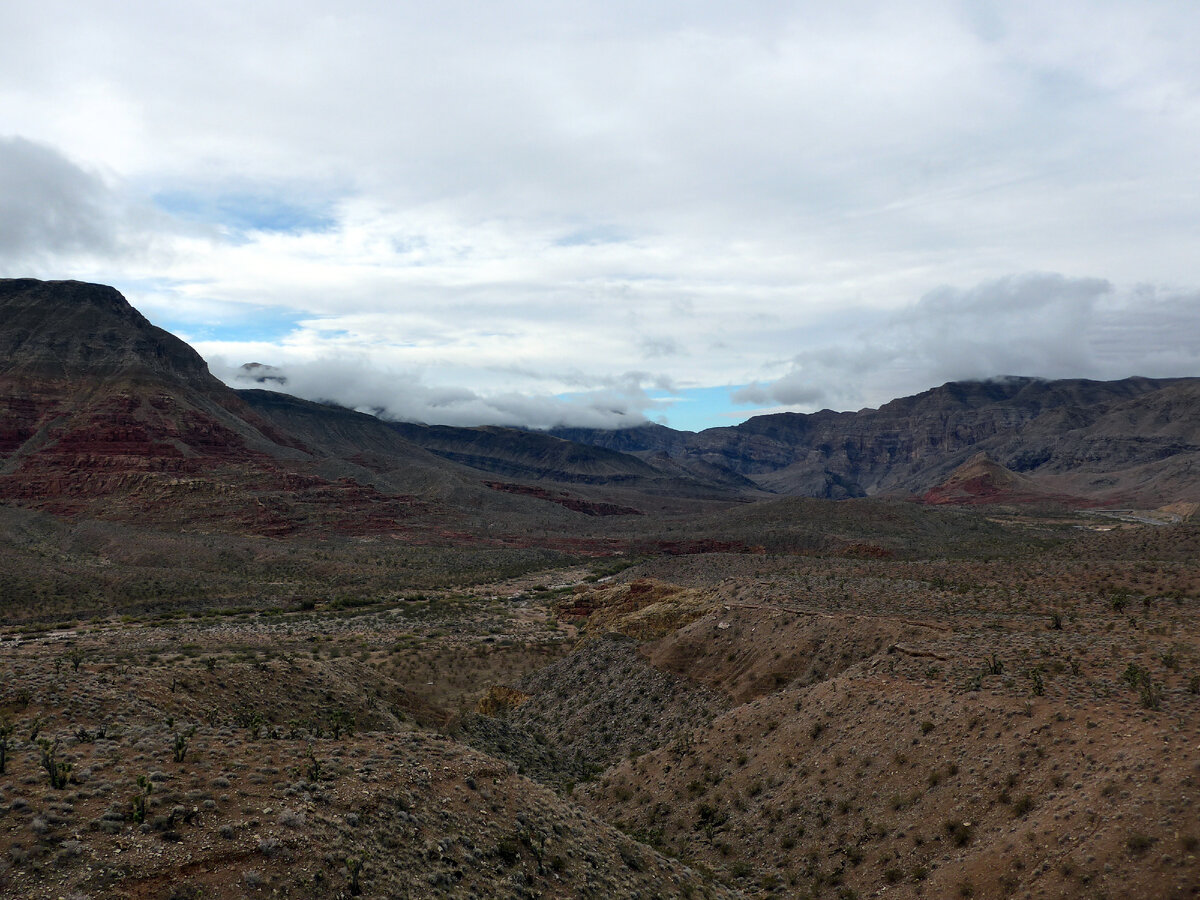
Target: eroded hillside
942, 729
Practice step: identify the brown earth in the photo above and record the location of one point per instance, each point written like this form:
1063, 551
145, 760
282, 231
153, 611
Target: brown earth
953, 729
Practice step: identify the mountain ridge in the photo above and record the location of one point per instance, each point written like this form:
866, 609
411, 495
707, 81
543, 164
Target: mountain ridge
96, 402
1091, 438
104, 414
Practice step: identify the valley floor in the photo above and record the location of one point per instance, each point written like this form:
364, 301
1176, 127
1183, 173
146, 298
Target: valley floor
860, 720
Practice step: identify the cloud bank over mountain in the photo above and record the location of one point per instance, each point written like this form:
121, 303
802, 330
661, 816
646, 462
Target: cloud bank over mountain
1034, 324
404, 397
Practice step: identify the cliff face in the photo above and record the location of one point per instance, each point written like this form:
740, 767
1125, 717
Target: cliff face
1134, 438
103, 414
69, 329
1030, 426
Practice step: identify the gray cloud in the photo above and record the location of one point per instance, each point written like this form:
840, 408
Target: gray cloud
659, 346
794, 389
1036, 324
49, 206
62, 219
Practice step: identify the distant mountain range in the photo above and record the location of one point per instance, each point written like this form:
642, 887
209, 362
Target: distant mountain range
102, 414
1137, 438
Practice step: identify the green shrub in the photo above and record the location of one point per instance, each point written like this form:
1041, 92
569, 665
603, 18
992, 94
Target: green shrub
145, 786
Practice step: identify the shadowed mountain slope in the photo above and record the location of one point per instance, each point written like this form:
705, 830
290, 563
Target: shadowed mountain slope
103, 414
1133, 439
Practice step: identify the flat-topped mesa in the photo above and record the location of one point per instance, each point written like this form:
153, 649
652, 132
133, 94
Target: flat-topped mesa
71, 329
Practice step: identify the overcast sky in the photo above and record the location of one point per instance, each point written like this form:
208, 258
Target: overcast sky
596, 213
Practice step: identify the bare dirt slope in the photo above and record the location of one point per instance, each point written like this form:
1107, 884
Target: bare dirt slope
948, 728
243, 753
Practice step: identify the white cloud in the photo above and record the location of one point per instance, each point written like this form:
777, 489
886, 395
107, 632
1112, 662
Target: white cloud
404, 396
512, 198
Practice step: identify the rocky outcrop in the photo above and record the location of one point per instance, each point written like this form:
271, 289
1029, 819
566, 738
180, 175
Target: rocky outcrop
103, 414
983, 480
69, 329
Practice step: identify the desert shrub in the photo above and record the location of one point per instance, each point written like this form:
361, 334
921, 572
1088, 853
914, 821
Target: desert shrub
741, 869
1137, 843
958, 831
59, 771
353, 873
179, 746
1134, 674
508, 852
145, 786
1150, 693
1149, 690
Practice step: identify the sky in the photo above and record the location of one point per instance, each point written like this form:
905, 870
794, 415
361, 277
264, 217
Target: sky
600, 214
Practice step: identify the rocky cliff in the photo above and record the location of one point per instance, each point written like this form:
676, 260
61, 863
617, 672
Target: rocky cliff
1137, 438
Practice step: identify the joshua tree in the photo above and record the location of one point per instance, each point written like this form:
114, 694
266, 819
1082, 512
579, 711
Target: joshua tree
5, 734
180, 747
58, 770
145, 786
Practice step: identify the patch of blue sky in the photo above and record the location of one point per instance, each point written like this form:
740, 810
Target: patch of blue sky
244, 211
180, 307
244, 325
694, 409
150, 287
